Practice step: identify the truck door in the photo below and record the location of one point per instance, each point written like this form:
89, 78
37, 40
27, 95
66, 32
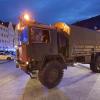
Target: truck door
39, 43
63, 47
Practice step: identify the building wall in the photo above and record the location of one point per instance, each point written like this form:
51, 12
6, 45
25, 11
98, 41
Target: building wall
7, 35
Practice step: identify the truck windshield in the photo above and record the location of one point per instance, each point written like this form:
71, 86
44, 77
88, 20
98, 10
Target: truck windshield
24, 36
39, 36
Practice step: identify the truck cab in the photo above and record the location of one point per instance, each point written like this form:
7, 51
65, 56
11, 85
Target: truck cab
35, 44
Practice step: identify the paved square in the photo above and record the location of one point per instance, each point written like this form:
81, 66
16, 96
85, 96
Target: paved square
78, 83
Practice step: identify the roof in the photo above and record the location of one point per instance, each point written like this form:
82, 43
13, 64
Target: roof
91, 23
4, 23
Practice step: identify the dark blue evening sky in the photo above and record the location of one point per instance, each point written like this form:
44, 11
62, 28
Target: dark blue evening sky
50, 11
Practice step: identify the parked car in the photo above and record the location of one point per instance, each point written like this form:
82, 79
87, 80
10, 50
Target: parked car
4, 56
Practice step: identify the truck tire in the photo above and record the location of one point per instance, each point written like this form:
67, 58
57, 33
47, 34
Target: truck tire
51, 75
95, 65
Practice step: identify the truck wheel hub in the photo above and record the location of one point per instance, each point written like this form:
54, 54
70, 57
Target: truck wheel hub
53, 75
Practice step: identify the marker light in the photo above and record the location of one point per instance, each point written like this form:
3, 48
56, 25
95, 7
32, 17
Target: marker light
63, 26
18, 26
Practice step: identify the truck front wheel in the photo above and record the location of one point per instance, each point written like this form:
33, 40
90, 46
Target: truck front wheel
51, 75
95, 66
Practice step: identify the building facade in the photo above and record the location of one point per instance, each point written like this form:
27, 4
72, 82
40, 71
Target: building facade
7, 36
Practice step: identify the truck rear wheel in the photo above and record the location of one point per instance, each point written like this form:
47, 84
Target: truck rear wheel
51, 75
95, 66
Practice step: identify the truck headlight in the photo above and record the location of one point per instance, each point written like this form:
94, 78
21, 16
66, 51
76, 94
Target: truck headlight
27, 62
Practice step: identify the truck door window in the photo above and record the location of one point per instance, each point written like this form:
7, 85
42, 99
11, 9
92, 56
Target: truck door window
45, 36
39, 36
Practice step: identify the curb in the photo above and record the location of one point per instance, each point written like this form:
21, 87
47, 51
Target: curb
6, 61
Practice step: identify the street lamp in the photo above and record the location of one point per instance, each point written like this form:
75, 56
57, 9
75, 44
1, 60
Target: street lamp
24, 20
26, 17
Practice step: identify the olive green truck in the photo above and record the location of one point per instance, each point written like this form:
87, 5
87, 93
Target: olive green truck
48, 50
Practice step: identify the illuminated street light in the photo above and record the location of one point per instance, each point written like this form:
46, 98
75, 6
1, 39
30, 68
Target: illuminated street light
24, 20
26, 17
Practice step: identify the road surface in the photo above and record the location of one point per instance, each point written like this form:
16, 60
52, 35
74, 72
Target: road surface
78, 83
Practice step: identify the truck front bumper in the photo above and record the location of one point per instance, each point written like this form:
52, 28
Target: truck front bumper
20, 64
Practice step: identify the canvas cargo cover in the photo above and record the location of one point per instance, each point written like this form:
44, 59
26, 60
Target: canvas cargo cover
83, 40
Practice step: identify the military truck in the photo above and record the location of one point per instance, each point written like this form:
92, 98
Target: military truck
49, 49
